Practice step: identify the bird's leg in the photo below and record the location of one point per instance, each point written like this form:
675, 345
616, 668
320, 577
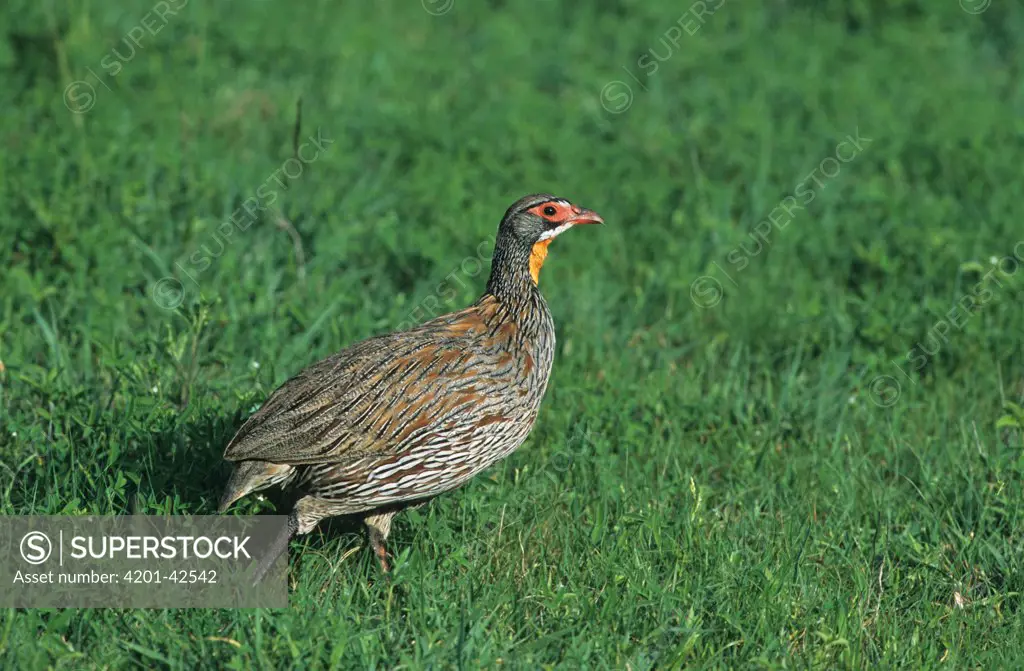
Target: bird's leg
378, 526
277, 547
304, 516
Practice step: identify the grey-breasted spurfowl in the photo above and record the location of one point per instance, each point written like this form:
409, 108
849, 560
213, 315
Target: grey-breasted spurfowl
395, 420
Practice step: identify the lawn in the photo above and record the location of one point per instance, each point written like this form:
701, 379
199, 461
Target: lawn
783, 427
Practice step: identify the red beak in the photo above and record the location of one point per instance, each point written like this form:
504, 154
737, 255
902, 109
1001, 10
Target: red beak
584, 216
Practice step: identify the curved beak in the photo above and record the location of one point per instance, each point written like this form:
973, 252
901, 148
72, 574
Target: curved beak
582, 215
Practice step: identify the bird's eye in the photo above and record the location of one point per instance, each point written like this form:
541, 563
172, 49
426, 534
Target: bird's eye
550, 210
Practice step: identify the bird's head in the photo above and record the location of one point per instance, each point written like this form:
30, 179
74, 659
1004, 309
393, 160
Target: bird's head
534, 221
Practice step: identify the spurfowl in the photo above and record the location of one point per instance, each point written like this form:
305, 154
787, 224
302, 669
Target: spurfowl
395, 420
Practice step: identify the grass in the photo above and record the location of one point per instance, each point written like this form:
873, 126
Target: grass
754, 466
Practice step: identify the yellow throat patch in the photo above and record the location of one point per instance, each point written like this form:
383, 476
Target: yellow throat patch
537, 256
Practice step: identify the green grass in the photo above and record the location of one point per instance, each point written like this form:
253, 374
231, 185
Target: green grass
732, 485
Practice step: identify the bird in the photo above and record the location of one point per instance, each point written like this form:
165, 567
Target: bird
391, 422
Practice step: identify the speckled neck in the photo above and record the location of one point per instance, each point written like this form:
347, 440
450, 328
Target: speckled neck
510, 280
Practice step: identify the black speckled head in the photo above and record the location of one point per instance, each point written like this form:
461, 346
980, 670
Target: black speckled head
526, 230
542, 216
